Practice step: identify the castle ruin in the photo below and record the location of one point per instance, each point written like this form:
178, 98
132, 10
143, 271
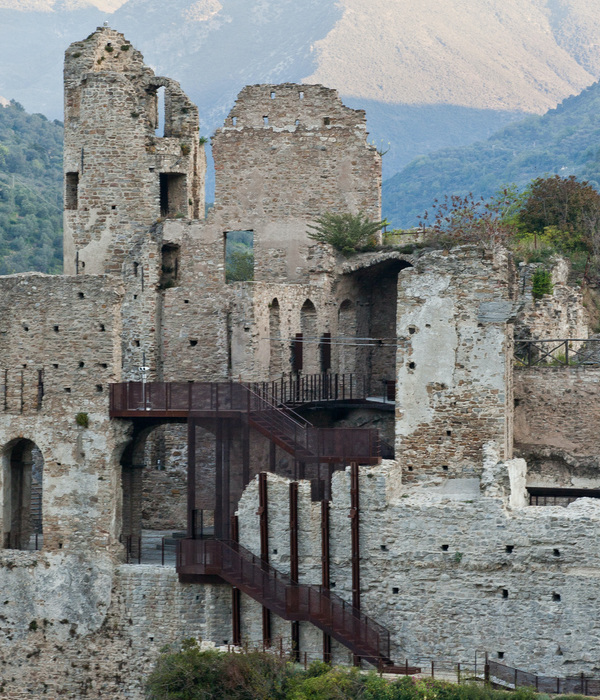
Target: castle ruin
366, 434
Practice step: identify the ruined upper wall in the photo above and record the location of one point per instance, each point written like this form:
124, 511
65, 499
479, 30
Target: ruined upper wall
120, 175
286, 155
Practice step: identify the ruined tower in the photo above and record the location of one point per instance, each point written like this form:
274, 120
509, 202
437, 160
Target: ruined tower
123, 170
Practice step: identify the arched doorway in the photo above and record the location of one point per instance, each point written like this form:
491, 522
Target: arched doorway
275, 345
310, 341
23, 468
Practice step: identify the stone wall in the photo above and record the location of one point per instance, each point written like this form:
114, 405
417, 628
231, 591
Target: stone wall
451, 571
101, 637
454, 363
556, 425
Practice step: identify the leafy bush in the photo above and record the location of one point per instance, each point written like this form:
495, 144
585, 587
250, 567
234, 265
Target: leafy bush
190, 674
541, 283
348, 233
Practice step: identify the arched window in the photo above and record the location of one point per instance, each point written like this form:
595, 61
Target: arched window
310, 339
347, 335
275, 358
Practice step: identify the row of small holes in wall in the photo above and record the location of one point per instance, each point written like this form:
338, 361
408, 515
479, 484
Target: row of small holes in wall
326, 121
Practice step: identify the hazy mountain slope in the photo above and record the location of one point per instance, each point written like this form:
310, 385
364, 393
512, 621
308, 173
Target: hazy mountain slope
30, 192
487, 54
565, 140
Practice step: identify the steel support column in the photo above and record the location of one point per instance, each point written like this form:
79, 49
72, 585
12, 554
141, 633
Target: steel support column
325, 570
263, 510
236, 594
294, 562
355, 531
191, 477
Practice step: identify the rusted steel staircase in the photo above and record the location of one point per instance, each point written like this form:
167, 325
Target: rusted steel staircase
291, 601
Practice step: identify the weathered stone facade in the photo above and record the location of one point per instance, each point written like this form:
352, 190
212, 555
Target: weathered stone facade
452, 558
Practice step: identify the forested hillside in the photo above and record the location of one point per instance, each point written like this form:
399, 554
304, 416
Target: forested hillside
564, 141
30, 192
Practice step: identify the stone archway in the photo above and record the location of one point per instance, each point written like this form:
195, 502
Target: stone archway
23, 468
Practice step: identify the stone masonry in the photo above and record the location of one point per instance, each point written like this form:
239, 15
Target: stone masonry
452, 559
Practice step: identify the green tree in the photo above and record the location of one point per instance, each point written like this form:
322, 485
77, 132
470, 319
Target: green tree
566, 210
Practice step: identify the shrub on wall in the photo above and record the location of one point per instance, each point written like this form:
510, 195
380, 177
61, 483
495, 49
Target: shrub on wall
348, 233
541, 283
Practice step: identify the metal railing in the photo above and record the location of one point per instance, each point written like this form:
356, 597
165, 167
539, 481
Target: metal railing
557, 352
280, 424
158, 548
294, 389
500, 674
291, 601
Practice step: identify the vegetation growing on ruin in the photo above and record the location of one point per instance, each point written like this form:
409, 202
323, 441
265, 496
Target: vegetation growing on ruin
347, 233
30, 192
191, 674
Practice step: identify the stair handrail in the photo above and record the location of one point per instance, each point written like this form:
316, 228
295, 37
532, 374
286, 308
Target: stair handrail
271, 402
286, 580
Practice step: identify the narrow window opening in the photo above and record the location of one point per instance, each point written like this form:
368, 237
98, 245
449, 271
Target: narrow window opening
383, 547
234, 121
102, 327
327, 121
169, 266
266, 121
445, 467
272, 95
160, 112
114, 206
410, 469
67, 390
136, 343
297, 354
556, 597
56, 329
556, 552
173, 195
71, 190
297, 122
239, 256
135, 296
504, 593
500, 654
301, 95
23, 517
135, 268
395, 591
448, 433
325, 352
55, 365
99, 388
83, 268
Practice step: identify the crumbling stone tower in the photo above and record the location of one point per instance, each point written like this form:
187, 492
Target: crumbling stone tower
120, 174
123, 174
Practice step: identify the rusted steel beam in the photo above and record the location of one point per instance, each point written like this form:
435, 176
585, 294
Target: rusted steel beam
236, 594
325, 570
263, 511
294, 562
355, 532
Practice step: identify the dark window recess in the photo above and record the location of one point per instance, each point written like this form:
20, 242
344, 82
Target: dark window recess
395, 591
504, 593
71, 190
444, 548
173, 195
239, 256
326, 121
99, 388
297, 353
326, 352
135, 268
509, 548
193, 343
169, 271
